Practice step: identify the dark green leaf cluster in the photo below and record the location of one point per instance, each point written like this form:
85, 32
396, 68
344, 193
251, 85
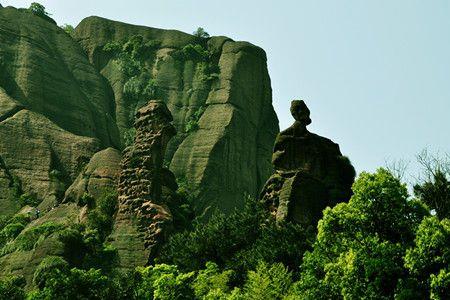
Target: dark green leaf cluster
201, 33
11, 227
436, 193
192, 123
39, 10
84, 244
12, 288
132, 58
237, 241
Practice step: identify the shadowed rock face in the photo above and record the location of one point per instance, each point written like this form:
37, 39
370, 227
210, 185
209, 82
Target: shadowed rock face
144, 217
310, 172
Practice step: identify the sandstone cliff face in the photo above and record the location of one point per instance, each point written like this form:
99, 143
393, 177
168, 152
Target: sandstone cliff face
228, 154
100, 175
63, 116
56, 111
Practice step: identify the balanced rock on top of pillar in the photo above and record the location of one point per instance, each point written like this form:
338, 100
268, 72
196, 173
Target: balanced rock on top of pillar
310, 172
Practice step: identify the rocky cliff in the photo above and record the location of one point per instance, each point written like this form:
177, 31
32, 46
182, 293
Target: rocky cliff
66, 113
56, 110
218, 92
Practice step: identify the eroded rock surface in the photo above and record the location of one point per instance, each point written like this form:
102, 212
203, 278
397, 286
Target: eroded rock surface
56, 110
228, 154
145, 188
100, 175
310, 172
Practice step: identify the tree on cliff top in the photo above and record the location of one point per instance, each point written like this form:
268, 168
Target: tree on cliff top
38, 9
201, 33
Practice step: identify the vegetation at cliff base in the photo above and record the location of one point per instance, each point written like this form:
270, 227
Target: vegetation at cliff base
382, 244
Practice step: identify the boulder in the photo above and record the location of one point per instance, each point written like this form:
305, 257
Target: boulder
310, 173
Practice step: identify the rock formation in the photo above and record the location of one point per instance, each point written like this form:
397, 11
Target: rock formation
100, 175
145, 187
228, 155
310, 172
62, 113
56, 110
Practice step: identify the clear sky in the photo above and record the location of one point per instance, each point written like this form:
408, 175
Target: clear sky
375, 74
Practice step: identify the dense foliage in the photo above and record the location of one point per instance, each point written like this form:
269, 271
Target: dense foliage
382, 244
238, 241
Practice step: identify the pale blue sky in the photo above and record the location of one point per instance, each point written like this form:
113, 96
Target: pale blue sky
375, 74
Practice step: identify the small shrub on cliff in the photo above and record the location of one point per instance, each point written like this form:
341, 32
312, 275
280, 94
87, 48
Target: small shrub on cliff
30, 238
201, 33
39, 10
84, 244
192, 123
28, 199
69, 29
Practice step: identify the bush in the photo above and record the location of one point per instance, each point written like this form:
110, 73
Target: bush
29, 239
69, 29
192, 123
12, 288
12, 230
50, 267
39, 10
28, 199
195, 52
128, 136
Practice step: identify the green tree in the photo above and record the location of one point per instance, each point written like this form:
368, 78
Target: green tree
38, 9
435, 193
430, 254
163, 282
56, 281
434, 190
69, 29
360, 245
267, 282
201, 33
212, 282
